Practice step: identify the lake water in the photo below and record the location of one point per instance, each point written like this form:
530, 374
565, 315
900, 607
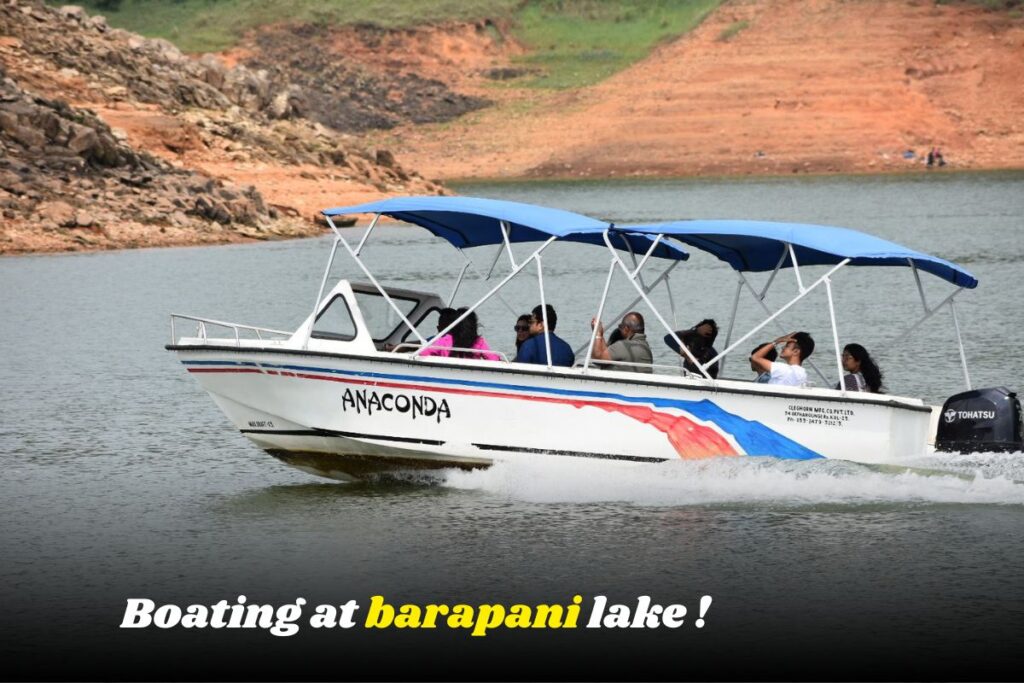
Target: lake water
123, 480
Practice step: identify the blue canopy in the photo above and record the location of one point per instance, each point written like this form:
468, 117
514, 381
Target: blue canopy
758, 246
474, 222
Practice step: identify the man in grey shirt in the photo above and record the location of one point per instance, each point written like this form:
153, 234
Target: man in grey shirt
631, 348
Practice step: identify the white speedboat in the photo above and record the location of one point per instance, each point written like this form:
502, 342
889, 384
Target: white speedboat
350, 393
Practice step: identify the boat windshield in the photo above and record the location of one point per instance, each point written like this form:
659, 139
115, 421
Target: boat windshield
382, 320
335, 321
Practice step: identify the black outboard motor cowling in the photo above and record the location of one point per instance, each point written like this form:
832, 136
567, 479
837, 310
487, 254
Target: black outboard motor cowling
981, 420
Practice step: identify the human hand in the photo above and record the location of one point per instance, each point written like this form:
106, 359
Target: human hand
596, 324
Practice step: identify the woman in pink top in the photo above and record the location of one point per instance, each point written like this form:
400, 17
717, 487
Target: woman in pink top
465, 335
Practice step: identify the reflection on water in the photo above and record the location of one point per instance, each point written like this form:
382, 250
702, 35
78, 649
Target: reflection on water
283, 497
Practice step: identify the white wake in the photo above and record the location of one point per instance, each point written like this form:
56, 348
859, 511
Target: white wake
988, 479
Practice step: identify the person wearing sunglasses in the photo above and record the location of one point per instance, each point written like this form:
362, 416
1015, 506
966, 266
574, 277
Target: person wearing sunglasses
522, 330
632, 346
534, 349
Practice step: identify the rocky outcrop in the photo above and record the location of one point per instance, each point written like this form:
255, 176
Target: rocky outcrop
75, 181
65, 173
128, 66
291, 75
325, 86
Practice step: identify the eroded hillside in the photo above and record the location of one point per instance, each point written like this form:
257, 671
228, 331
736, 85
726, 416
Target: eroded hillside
108, 139
765, 87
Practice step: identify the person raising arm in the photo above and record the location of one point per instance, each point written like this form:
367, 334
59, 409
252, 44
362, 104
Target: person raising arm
631, 347
788, 369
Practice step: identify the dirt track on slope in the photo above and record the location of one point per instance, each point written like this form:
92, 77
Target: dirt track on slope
812, 86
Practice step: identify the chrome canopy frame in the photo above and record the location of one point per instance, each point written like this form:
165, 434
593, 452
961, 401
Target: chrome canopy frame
635, 277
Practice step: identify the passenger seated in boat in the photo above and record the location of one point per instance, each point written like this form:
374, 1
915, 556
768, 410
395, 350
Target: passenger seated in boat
463, 337
445, 317
522, 330
698, 346
700, 340
763, 375
788, 370
534, 349
862, 374
631, 347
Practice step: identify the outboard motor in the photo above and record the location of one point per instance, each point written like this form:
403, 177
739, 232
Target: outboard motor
980, 420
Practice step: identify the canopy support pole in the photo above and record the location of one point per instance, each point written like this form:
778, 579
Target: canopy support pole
634, 274
779, 312
366, 235
732, 319
458, 283
497, 255
544, 309
647, 290
369, 275
960, 343
484, 278
778, 324
654, 310
323, 284
600, 312
925, 317
508, 244
796, 267
920, 289
488, 295
643, 261
671, 301
632, 257
956, 324
771, 278
835, 336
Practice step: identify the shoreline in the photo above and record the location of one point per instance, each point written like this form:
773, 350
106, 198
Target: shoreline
729, 177
314, 230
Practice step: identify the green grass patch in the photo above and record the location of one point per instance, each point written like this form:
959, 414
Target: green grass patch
573, 42
732, 30
213, 25
579, 42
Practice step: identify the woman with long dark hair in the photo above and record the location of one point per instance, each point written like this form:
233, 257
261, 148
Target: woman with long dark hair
445, 317
463, 341
700, 340
862, 373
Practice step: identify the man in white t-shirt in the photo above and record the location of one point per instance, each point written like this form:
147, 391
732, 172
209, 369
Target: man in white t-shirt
788, 369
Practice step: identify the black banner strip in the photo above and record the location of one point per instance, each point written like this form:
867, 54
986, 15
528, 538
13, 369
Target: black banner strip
353, 435
575, 454
430, 442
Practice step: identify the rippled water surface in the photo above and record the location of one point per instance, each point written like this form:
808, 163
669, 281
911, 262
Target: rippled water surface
122, 479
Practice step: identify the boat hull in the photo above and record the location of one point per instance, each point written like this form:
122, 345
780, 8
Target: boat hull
350, 416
